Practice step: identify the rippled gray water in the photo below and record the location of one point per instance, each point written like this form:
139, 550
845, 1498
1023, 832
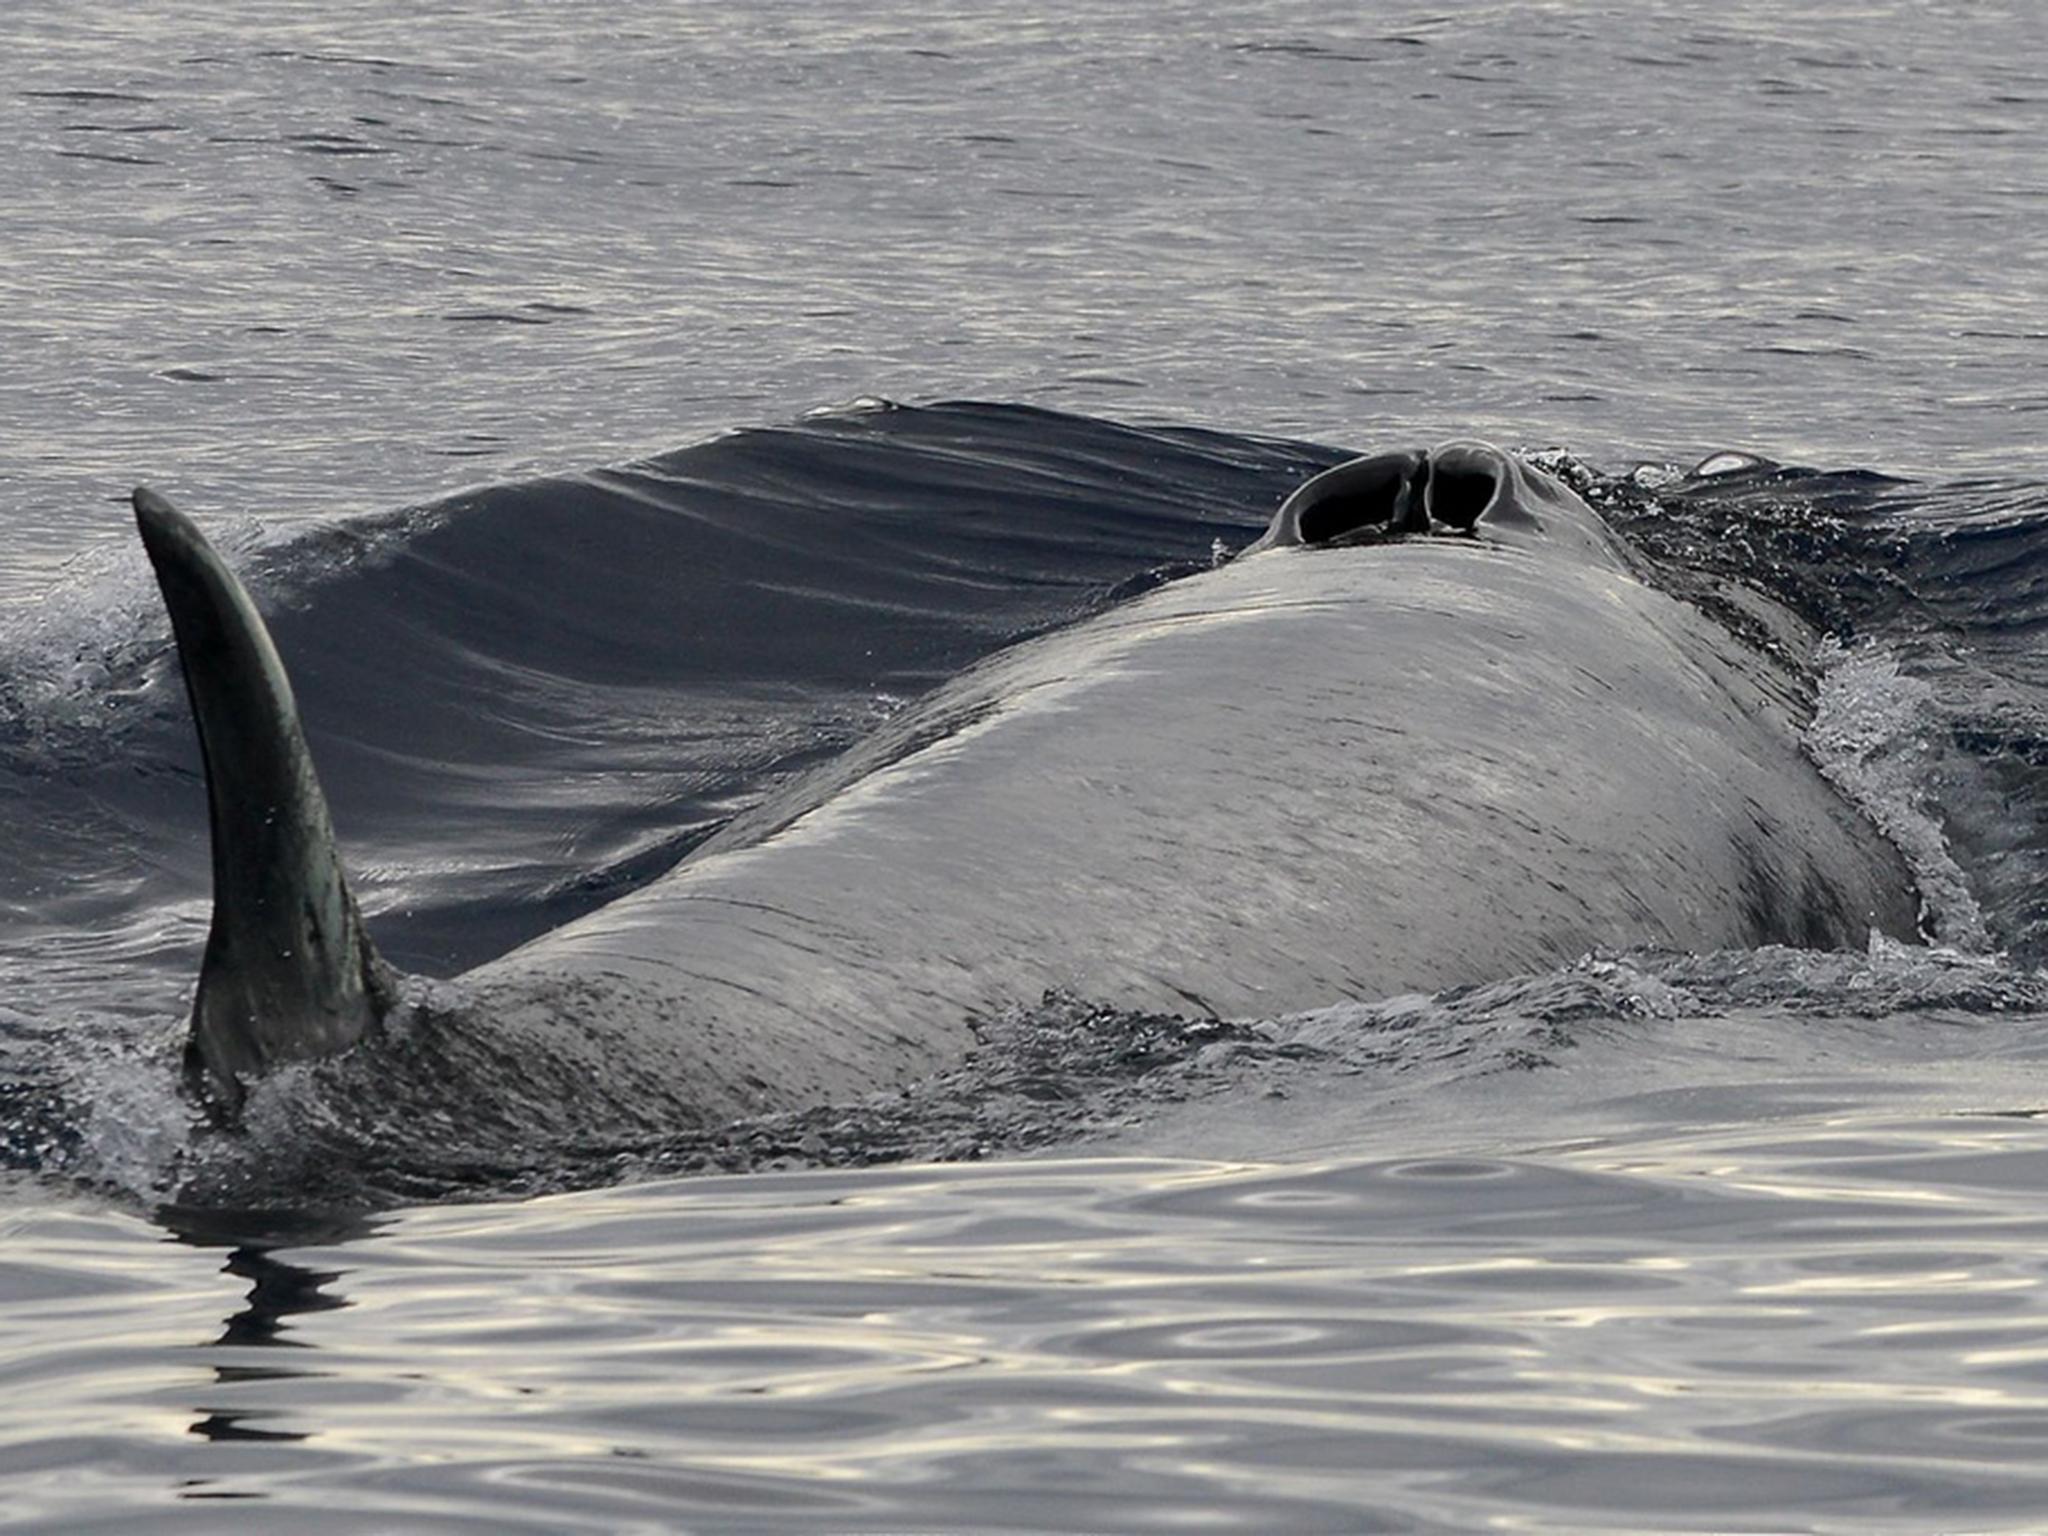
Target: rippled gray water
1768, 1257
1826, 1322
339, 259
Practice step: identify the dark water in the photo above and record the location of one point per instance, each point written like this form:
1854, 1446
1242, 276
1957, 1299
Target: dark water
1738, 1242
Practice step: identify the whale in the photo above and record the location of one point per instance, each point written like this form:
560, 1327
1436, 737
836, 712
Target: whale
1437, 726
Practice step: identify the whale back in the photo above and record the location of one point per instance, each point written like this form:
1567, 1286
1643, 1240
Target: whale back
1433, 729
1324, 770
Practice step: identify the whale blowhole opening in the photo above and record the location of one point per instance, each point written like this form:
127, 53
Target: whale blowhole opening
1462, 488
1374, 498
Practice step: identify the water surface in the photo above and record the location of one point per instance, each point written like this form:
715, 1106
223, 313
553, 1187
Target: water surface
488, 341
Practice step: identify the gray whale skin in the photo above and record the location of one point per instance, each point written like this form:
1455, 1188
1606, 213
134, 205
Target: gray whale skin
1432, 729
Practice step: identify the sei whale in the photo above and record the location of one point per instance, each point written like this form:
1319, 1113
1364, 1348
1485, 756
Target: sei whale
1434, 728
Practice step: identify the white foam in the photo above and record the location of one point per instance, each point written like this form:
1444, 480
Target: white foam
1870, 736
1725, 464
133, 1121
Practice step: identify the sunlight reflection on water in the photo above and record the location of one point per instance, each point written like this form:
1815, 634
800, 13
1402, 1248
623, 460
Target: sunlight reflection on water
1838, 1318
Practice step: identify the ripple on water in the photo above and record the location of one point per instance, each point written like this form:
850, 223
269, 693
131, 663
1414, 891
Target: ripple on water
1802, 1323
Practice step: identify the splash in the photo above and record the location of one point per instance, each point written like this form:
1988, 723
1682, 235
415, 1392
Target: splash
1870, 738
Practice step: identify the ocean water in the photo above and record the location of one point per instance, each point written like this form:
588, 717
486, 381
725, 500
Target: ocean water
620, 409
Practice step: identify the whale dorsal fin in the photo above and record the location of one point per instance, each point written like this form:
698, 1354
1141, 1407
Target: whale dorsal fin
289, 972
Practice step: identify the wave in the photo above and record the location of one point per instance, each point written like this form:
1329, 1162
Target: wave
531, 696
